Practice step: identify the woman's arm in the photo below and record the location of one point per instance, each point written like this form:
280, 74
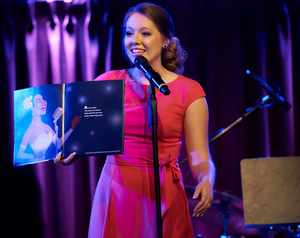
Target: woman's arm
201, 165
25, 140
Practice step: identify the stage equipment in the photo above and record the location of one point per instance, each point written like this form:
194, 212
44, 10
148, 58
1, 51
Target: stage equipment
265, 102
56, 115
271, 91
271, 193
154, 80
226, 213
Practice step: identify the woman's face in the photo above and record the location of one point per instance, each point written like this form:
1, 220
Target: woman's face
143, 38
39, 105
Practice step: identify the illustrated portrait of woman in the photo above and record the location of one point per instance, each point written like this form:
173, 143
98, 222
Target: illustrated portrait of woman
40, 135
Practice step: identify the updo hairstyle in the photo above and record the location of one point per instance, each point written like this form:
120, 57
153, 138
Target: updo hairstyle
174, 55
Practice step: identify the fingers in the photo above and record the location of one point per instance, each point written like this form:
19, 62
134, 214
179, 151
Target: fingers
75, 121
69, 159
58, 158
202, 207
196, 193
65, 161
205, 202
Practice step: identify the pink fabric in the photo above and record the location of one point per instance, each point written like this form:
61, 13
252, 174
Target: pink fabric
124, 201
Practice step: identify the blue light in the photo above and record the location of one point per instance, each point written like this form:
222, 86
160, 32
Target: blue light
247, 71
82, 99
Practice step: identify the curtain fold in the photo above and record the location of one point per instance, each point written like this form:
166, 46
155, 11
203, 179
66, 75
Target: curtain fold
286, 74
60, 42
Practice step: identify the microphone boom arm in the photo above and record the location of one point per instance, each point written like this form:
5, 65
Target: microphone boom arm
264, 101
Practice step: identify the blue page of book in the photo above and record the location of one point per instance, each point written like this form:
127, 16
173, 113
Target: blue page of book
99, 105
34, 126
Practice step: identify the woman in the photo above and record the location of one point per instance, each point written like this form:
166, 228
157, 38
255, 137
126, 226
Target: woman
124, 201
39, 135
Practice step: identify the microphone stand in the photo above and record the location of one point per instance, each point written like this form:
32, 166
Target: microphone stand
265, 102
152, 109
56, 134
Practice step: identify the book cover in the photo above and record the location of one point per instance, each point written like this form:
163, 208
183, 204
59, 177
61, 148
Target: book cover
83, 117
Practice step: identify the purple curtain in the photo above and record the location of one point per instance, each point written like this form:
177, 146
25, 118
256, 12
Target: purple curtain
47, 43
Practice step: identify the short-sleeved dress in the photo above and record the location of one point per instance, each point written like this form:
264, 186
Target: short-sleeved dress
124, 200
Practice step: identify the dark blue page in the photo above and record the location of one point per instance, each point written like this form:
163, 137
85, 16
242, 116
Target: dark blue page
100, 129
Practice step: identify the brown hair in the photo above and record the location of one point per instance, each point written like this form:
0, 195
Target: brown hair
174, 56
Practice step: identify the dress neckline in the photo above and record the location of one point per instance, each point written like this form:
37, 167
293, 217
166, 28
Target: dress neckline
42, 135
132, 80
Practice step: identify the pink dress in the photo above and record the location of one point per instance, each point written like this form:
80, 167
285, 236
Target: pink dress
124, 201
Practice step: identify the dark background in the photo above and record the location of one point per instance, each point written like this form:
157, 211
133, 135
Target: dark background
223, 39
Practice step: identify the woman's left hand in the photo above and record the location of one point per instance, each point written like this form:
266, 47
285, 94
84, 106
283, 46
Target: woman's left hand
204, 191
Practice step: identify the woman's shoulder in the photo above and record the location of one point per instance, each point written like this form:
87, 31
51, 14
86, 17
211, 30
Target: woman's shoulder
189, 86
188, 82
48, 128
111, 75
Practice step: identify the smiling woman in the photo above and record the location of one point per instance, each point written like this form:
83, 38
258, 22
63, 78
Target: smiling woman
124, 202
145, 27
39, 135
143, 38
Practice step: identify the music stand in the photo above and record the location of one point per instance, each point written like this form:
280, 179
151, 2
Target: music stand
271, 192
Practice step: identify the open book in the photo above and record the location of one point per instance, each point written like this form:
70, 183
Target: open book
83, 117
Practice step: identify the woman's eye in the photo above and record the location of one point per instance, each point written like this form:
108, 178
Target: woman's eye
146, 34
128, 33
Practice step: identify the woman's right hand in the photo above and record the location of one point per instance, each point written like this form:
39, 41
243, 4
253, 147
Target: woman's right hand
65, 161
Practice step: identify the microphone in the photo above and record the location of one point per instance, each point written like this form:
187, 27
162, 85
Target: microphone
270, 90
57, 114
142, 63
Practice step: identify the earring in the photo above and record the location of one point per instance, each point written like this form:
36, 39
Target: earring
165, 47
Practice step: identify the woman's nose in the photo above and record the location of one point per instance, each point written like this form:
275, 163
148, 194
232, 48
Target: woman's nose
136, 39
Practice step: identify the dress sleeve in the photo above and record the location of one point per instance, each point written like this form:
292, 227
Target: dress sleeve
195, 91
192, 90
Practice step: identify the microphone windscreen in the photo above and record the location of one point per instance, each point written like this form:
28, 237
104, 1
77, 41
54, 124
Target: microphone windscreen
58, 112
140, 60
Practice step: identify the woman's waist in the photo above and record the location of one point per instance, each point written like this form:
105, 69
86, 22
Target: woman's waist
136, 161
133, 148
126, 160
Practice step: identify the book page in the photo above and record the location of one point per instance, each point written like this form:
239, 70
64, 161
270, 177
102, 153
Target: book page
95, 111
37, 123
